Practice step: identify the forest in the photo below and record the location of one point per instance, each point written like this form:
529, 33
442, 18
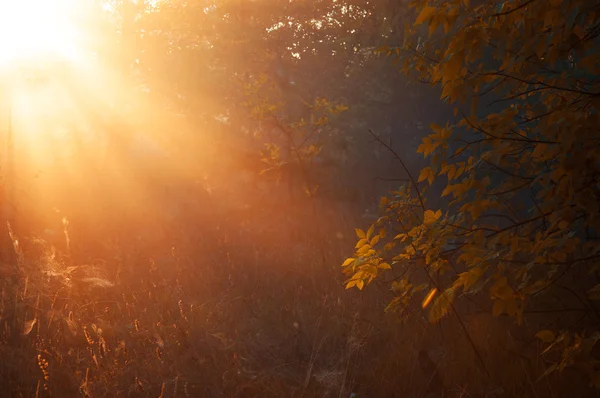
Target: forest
300, 198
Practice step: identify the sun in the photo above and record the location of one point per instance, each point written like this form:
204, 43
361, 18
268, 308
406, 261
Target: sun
37, 28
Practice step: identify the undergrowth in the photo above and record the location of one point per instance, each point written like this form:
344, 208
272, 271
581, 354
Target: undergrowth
251, 305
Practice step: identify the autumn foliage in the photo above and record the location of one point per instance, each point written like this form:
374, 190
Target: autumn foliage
180, 196
520, 166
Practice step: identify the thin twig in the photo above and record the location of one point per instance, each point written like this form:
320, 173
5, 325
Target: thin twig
499, 14
395, 154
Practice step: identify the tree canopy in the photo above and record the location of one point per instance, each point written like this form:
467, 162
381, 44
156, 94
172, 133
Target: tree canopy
521, 165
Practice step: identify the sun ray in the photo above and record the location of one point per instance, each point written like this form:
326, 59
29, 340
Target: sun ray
37, 28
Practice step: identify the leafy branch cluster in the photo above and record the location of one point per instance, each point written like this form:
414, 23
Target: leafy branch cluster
522, 169
288, 143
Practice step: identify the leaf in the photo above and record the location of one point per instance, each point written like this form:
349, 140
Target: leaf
384, 266
348, 262
427, 147
28, 326
427, 174
436, 128
452, 67
448, 190
364, 249
351, 284
360, 233
547, 336
469, 278
425, 14
594, 293
430, 216
389, 246
360, 284
361, 243
375, 240
441, 305
429, 297
539, 150
370, 231
434, 22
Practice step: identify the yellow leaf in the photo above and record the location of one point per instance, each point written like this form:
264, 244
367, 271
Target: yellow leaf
427, 147
370, 231
427, 173
424, 174
361, 243
28, 326
441, 306
434, 22
348, 262
436, 128
360, 284
364, 249
429, 297
504, 292
360, 233
469, 278
374, 240
351, 284
430, 216
425, 14
447, 26
452, 67
384, 266
448, 190
547, 336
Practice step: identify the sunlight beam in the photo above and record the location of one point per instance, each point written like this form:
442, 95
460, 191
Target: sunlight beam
36, 29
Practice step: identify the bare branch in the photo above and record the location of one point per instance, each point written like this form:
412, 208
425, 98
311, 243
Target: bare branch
412, 180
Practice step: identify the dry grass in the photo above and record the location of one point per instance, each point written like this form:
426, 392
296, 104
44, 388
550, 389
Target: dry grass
244, 306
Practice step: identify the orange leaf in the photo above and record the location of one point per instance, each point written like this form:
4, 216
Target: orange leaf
426, 14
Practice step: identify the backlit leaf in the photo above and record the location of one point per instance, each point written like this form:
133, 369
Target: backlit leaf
348, 262
441, 306
429, 297
28, 326
547, 336
430, 216
425, 14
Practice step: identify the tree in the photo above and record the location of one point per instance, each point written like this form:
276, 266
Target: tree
522, 171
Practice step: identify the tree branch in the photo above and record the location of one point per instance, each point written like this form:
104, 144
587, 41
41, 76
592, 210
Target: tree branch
499, 14
412, 180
